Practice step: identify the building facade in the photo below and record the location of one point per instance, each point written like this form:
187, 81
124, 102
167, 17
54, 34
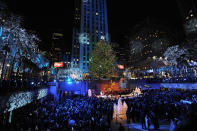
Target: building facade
90, 26
188, 13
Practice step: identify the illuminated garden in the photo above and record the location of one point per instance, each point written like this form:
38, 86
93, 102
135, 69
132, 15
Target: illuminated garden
91, 66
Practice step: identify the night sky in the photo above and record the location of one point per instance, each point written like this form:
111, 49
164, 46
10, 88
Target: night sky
45, 18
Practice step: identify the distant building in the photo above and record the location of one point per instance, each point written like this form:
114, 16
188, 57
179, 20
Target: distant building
90, 26
188, 12
58, 53
75, 56
148, 42
66, 59
57, 41
187, 8
122, 54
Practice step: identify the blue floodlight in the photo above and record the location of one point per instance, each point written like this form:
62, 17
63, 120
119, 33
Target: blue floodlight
69, 81
150, 71
32, 83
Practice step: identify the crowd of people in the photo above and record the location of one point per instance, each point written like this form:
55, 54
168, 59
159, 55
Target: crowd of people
69, 113
169, 106
18, 84
176, 108
165, 80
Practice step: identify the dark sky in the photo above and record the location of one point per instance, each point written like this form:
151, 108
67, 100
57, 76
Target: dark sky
45, 18
122, 16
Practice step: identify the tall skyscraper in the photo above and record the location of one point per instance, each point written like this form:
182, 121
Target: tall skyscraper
75, 55
90, 26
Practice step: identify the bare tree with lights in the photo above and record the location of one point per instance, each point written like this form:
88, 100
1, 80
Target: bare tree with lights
176, 56
15, 43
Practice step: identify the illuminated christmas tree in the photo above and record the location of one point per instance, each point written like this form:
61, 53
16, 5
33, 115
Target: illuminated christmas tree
102, 61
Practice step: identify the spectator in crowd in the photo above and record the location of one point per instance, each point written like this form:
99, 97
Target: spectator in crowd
155, 106
72, 113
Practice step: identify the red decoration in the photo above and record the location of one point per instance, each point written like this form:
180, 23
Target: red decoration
121, 67
58, 64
